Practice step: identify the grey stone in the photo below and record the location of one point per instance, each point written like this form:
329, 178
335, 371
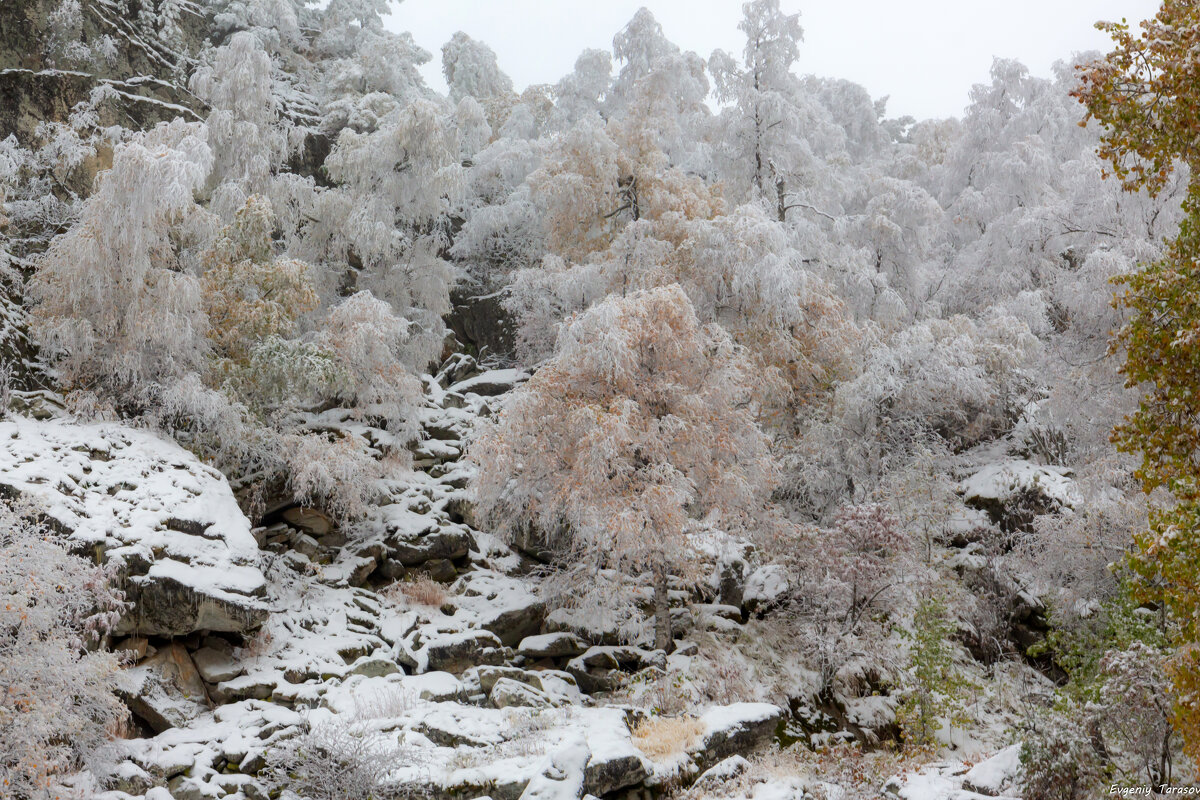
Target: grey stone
552, 645
441, 543
165, 691
458, 653
215, 666
309, 520
508, 692
374, 667
166, 607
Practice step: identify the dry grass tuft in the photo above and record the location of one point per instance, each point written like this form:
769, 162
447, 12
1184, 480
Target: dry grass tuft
421, 591
386, 703
659, 737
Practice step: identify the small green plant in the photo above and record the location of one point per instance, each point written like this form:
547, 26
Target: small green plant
937, 690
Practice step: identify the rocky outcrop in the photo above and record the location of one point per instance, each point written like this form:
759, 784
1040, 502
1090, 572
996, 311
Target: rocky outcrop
1013, 493
139, 69
479, 320
165, 690
166, 523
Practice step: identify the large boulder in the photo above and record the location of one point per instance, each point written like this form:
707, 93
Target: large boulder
504, 605
552, 645
165, 690
413, 539
616, 763
1014, 492
457, 652
168, 523
736, 730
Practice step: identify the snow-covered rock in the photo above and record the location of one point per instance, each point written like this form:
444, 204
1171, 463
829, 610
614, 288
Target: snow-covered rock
562, 774
1014, 492
722, 772
490, 383
215, 666
165, 690
938, 781
995, 775
736, 729
169, 522
504, 605
457, 651
552, 645
765, 586
508, 692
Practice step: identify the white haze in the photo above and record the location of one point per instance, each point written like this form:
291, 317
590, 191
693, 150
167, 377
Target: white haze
924, 54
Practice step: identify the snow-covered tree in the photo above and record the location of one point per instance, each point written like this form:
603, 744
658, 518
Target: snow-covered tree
400, 181
772, 131
638, 430
115, 308
244, 129
471, 70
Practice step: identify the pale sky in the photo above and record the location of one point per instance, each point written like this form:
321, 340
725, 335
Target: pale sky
924, 54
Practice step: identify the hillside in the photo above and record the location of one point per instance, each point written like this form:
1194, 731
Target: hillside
686, 428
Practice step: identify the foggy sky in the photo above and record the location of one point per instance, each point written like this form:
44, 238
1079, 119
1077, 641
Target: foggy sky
924, 54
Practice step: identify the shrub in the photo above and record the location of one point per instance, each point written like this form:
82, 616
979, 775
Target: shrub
57, 705
330, 761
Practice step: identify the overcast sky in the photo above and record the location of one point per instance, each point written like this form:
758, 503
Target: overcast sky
924, 54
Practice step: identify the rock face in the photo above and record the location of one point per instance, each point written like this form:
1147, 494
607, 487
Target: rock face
739, 728
479, 320
169, 525
472, 676
142, 69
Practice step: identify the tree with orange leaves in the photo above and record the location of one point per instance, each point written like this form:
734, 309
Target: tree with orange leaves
1146, 93
639, 432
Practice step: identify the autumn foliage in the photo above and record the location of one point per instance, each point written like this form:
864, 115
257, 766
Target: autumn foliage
1147, 95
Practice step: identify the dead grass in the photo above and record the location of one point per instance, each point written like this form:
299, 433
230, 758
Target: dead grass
420, 591
386, 703
659, 737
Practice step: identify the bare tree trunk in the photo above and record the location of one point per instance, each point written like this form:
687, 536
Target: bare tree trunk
663, 637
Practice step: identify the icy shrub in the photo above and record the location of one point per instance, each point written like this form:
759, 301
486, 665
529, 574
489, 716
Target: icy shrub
1059, 759
330, 761
57, 706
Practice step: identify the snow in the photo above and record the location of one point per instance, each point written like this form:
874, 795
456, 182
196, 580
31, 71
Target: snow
995, 774
939, 781
1002, 481
732, 717
561, 774
490, 381
766, 584
136, 497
